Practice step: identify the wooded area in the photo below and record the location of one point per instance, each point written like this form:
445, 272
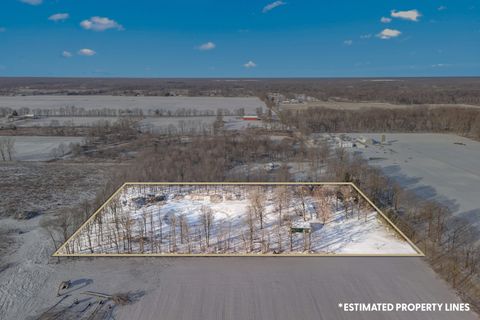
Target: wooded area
237, 219
456, 120
449, 243
394, 90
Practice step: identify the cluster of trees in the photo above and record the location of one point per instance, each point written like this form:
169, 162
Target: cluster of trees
7, 148
181, 127
201, 158
194, 112
106, 132
457, 120
264, 228
63, 149
72, 111
396, 91
212, 158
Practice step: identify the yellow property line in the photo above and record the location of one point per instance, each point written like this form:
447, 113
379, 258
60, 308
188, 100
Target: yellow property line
62, 247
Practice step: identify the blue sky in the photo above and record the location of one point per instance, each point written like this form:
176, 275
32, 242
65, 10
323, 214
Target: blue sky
197, 38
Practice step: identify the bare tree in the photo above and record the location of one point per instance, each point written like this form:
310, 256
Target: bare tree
7, 148
322, 204
347, 197
3, 151
173, 233
250, 220
10, 145
301, 193
282, 195
290, 232
257, 201
207, 223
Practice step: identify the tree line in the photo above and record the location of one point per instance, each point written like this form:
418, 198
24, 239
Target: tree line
446, 90
456, 120
73, 111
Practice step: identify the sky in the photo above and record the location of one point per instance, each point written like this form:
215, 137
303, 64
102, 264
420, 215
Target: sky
248, 38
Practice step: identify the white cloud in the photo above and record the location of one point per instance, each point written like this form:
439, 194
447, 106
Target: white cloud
273, 5
385, 20
67, 54
388, 34
441, 8
32, 2
86, 52
100, 24
412, 15
440, 65
59, 17
366, 36
206, 46
348, 42
250, 64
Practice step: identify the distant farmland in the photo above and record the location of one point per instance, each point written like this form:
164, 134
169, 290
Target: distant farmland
34, 148
170, 106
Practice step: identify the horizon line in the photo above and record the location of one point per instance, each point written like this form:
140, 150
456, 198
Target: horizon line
240, 78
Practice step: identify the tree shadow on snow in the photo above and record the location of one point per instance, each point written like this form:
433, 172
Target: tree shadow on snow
395, 172
472, 217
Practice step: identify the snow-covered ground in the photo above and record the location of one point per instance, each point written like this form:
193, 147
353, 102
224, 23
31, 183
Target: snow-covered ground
197, 288
193, 124
239, 124
40, 148
237, 219
89, 102
177, 124
440, 167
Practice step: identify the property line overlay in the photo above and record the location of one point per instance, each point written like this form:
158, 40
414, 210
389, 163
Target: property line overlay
418, 252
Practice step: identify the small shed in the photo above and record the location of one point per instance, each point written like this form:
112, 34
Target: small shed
250, 118
301, 227
345, 144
